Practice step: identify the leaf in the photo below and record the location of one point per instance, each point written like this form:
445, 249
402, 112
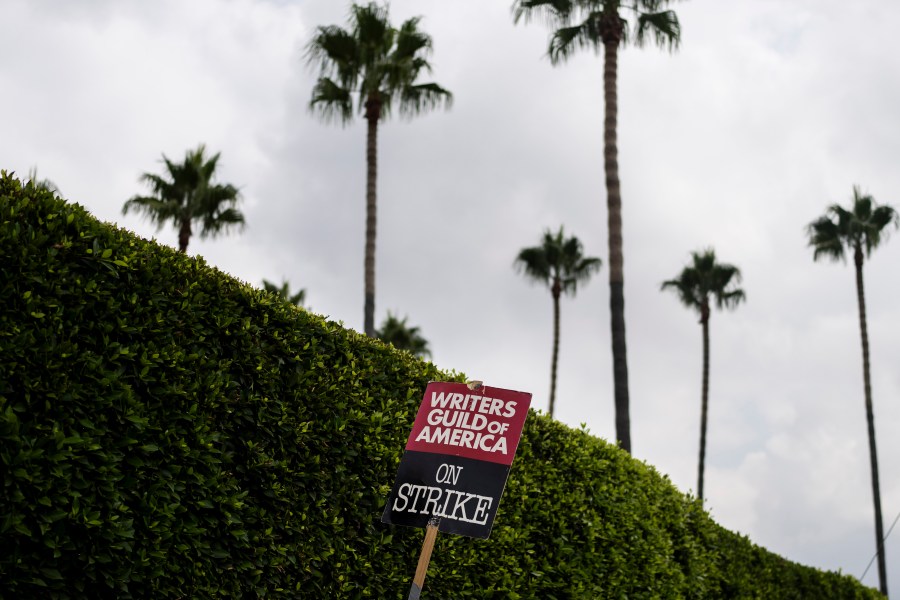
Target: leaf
52, 574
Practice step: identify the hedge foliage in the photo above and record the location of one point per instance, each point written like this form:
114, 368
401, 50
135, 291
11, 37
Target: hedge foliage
167, 431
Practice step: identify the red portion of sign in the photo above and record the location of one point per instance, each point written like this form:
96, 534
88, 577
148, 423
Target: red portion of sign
483, 424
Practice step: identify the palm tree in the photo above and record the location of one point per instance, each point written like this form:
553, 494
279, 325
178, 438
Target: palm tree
186, 193
859, 230
696, 286
597, 24
283, 292
397, 333
379, 65
42, 184
559, 263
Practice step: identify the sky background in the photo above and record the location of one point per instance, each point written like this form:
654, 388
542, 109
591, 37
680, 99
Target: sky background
770, 111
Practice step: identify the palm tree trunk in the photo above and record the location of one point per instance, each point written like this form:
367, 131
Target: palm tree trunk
184, 235
373, 112
614, 209
704, 402
870, 420
556, 292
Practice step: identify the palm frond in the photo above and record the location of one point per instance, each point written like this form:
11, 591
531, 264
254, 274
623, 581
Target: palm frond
374, 35
707, 279
161, 187
370, 23
221, 221
419, 65
334, 51
731, 299
398, 74
863, 226
532, 262
578, 271
882, 217
411, 42
662, 28
415, 99
566, 40
553, 12
825, 239
203, 168
862, 205
158, 210
331, 101
685, 288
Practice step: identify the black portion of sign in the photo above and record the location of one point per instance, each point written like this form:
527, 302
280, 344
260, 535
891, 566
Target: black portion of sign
463, 492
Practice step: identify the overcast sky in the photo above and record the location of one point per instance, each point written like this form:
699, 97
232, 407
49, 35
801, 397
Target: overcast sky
770, 111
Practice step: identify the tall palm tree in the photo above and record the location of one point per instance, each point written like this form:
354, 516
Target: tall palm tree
608, 24
559, 263
706, 280
859, 229
397, 333
185, 194
379, 65
283, 291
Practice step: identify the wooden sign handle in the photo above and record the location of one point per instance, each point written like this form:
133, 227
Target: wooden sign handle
431, 531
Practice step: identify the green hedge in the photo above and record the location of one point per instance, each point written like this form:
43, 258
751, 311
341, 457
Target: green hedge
167, 431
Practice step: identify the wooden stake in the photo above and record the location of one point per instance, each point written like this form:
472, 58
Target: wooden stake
431, 531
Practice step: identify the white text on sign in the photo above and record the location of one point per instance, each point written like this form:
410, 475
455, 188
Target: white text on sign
439, 502
462, 420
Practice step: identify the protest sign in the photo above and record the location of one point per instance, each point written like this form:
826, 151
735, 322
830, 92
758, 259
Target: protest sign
457, 458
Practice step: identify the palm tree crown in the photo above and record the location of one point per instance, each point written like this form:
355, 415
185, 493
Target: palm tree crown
380, 66
705, 280
862, 227
589, 24
374, 61
397, 333
185, 194
283, 292
559, 263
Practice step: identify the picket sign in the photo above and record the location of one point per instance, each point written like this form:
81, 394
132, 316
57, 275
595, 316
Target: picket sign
456, 463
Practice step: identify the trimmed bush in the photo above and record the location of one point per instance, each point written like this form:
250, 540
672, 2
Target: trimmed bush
167, 431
